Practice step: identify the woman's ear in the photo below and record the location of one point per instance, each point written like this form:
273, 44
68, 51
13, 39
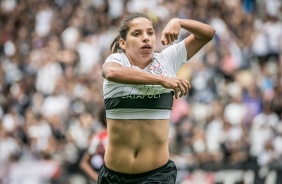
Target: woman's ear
122, 44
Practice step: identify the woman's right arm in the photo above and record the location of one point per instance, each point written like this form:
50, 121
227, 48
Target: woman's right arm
113, 71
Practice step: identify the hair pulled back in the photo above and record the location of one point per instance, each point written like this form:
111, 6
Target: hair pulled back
123, 30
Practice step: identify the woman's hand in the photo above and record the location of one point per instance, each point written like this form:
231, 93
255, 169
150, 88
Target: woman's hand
171, 32
177, 84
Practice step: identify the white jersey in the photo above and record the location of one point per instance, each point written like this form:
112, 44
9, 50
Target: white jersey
130, 101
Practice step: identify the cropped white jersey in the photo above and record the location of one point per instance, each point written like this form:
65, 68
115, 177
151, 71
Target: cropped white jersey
128, 101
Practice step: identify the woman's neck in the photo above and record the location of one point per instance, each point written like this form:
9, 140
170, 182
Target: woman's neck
142, 63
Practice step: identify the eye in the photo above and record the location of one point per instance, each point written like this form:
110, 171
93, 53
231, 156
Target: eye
151, 33
135, 34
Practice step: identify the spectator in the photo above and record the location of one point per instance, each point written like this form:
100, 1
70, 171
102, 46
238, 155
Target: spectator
93, 157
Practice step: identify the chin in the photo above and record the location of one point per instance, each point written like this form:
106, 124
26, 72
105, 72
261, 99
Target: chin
148, 56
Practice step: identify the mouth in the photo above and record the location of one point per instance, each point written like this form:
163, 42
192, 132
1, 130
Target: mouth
146, 47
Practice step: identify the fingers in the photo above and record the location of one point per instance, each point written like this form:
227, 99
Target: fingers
180, 87
171, 31
186, 85
174, 37
163, 39
168, 38
183, 87
176, 93
182, 90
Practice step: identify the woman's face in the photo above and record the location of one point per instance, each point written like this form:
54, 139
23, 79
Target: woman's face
140, 40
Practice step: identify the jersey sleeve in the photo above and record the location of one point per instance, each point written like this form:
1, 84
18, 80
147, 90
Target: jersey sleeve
116, 57
175, 56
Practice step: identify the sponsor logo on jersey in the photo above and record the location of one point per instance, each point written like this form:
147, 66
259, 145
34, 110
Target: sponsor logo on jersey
142, 96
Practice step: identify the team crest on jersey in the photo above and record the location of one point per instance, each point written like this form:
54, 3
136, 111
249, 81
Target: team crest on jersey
157, 68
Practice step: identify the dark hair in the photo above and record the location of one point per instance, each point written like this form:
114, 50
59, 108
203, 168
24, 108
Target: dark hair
123, 30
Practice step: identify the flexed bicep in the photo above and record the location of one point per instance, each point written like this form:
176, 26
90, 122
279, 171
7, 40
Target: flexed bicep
201, 34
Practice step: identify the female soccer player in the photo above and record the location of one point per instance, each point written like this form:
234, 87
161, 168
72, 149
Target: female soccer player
139, 85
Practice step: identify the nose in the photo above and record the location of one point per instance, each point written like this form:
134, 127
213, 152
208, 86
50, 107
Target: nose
145, 37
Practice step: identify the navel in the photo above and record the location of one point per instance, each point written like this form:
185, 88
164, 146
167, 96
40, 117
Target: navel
135, 154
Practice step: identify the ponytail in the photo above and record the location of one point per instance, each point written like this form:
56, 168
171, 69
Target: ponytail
115, 48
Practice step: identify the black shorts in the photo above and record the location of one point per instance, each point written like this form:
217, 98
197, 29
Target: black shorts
165, 174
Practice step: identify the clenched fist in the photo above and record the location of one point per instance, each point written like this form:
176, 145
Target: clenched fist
170, 32
178, 85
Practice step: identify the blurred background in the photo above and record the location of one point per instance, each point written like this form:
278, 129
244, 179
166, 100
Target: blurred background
227, 130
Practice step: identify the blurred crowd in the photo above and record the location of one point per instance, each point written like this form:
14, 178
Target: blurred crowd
51, 55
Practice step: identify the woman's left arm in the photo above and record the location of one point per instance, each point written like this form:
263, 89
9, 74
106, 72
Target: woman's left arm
200, 35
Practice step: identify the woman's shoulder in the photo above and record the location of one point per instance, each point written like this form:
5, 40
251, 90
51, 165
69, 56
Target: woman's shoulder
117, 57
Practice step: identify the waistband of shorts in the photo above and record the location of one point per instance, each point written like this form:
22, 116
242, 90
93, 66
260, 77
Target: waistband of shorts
139, 174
